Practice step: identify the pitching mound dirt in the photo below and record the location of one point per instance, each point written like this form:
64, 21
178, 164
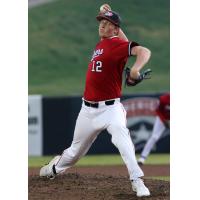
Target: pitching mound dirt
75, 186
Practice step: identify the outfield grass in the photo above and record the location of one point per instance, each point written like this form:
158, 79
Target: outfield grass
63, 34
162, 178
94, 160
103, 160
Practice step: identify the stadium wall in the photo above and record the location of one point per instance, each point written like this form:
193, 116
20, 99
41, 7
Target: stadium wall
52, 121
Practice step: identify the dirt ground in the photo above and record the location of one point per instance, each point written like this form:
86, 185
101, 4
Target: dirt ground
97, 183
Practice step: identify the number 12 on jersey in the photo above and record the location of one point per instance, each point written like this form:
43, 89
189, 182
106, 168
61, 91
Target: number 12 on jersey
96, 66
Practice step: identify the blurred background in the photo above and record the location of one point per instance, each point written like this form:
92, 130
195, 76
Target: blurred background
62, 36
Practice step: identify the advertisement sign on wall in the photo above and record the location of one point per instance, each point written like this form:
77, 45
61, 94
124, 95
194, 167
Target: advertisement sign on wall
35, 125
140, 119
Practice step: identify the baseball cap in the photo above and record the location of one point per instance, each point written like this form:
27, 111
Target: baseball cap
111, 16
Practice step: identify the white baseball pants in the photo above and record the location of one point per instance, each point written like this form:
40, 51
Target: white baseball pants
90, 122
158, 129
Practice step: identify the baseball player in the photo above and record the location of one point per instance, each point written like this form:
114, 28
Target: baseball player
160, 125
101, 107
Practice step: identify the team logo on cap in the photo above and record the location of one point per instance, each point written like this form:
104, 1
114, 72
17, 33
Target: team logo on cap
109, 14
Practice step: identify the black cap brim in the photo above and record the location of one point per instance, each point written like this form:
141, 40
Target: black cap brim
100, 17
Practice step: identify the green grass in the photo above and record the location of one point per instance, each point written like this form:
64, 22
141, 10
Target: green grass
103, 160
163, 178
63, 34
94, 160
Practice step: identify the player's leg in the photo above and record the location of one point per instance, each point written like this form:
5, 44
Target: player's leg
158, 129
122, 140
84, 136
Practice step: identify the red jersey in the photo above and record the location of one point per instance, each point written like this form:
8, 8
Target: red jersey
104, 74
163, 109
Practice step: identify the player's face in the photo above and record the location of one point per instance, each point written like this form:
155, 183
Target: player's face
106, 29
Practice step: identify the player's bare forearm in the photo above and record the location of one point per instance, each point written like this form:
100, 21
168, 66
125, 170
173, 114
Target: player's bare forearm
142, 57
122, 35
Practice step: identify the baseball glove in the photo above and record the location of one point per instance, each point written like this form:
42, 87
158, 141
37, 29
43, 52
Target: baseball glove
143, 75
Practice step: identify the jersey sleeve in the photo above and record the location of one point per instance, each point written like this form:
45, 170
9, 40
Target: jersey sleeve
163, 110
122, 49
131, 45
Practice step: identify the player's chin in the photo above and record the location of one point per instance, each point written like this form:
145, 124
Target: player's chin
101, 34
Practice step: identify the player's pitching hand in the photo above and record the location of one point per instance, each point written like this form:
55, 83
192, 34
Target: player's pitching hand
104, 8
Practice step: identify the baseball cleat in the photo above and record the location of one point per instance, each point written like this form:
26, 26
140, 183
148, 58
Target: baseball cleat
49, 169
139, 187
141, 161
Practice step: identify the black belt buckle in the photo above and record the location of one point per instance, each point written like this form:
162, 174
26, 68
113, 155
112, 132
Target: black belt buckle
93, 105
110, 102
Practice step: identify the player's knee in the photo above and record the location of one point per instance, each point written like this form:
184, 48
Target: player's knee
117, 128
118, 132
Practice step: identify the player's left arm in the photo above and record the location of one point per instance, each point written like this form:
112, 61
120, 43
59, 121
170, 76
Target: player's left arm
122, 35
142, 57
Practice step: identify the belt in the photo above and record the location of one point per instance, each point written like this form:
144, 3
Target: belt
96, 105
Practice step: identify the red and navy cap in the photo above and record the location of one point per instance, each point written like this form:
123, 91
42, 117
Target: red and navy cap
111, 16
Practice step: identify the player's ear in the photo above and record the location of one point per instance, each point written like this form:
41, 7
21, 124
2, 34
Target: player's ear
116, 32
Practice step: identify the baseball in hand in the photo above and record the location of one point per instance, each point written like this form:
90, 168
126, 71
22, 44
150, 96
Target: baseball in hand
104, 8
